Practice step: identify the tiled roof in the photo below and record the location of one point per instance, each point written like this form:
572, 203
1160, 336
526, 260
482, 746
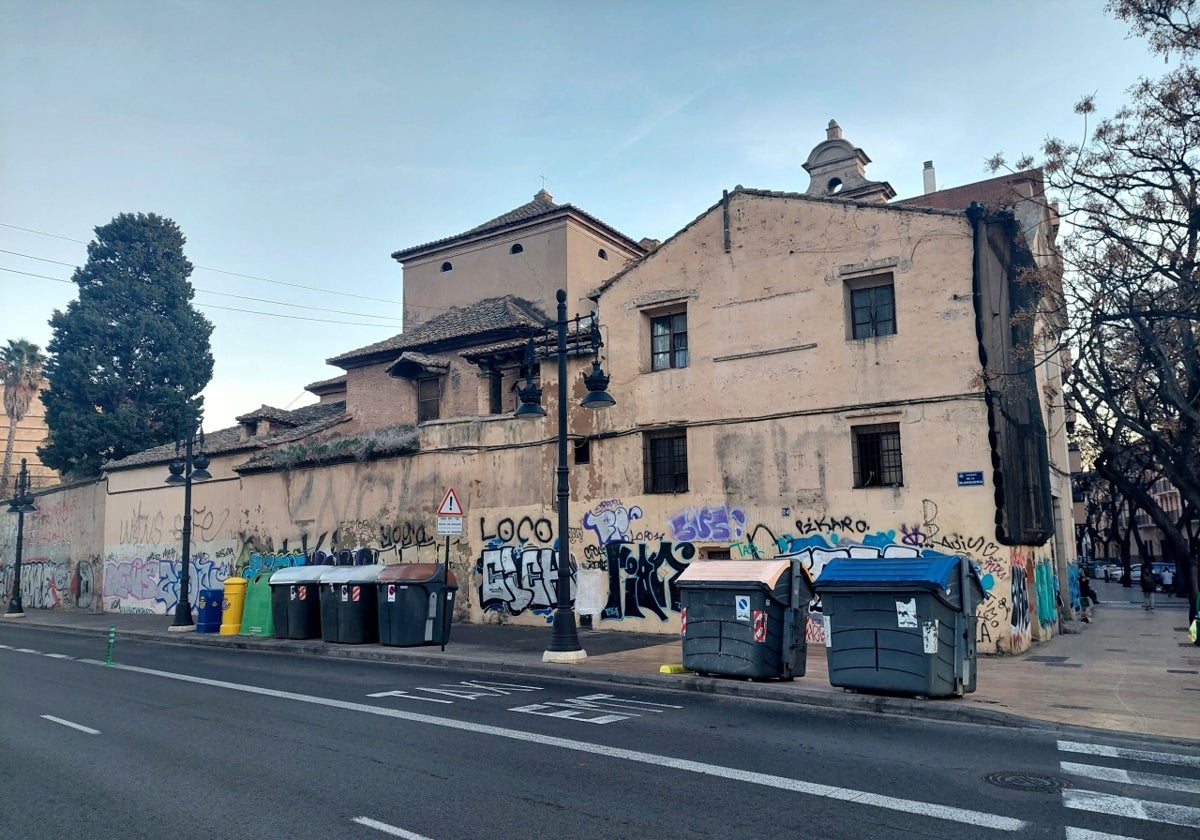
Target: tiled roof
488, 320
542, 206
1003, 190
267, 412
335, 383
307, 420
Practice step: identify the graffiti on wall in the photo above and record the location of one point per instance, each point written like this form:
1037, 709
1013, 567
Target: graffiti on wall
514, 580
642, 580
719, 523
610, 521
1020, 622
146, 580
48, 584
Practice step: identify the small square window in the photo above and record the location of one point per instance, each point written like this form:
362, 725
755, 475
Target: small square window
583, 451
871, 305
877, 461
668, 341
428, 397
665, 461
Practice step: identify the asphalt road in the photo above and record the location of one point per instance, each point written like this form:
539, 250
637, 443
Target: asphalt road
189, 742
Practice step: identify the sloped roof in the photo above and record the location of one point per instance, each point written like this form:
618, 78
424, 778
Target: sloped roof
542, 206
327, 386
267, 412
487, 320
304, 421
1003, 190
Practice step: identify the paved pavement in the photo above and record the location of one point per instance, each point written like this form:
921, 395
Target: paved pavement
1129, 670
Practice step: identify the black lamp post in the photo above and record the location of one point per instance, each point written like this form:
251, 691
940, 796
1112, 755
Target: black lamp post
185, 469
564, 640
21, 504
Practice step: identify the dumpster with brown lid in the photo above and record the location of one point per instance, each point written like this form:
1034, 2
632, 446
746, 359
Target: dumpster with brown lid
416, 604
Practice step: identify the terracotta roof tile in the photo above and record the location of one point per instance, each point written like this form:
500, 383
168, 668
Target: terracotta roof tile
487, 320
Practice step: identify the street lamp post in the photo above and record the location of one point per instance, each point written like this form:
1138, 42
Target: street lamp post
21, 504
564, 644
185, 469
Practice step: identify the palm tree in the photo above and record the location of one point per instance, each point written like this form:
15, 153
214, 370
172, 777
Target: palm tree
21, 364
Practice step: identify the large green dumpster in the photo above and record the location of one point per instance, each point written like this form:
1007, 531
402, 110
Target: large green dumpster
745, 618
901, 624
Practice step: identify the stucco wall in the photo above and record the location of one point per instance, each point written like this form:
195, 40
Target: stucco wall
62, 550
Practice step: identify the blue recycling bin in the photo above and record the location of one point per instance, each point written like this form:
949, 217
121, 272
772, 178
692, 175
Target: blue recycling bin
208, 613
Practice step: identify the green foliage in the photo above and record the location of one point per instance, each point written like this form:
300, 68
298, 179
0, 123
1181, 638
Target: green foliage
130, 356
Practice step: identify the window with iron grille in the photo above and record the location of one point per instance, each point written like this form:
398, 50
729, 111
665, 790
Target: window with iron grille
428, 396
877, 461
665, 457
668, 341
872, 304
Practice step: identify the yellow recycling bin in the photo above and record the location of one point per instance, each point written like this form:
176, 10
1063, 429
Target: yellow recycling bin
231, 606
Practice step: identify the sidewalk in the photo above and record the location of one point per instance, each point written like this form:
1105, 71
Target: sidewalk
1129, 670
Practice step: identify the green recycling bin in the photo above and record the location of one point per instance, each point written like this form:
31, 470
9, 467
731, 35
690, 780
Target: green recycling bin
256, 615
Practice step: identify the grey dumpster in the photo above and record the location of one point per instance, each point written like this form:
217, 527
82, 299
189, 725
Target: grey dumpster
295, 601
416, 604
901, 624
348, 605
745, 618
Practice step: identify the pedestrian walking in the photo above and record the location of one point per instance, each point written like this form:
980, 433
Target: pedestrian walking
1168, 580
1147, 587
1087, 598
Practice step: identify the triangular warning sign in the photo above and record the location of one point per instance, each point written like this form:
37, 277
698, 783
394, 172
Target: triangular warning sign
450, 505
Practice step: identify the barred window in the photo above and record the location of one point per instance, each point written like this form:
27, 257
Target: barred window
665, 457
877, 461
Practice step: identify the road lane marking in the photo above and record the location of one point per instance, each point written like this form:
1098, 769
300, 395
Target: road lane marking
1134, 755
26, 650
1158, 781
388, 829
410, 696
1083, 834
859, 797
56, 656
1138, 809
80, 727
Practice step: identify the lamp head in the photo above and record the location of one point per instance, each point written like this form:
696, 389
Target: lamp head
597, 385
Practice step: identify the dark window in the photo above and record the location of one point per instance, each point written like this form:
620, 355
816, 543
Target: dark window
873, 311
668, 341
602, 254
495, 392
665, 457
516, 249
583, 451
447, 267
428, 396
877, 461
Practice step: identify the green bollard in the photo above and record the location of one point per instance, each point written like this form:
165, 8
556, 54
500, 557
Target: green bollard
112, 638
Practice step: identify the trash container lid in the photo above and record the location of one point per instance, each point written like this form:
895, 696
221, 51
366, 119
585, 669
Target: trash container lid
351, 574
415, 573
737, 571
300, 574
931, 572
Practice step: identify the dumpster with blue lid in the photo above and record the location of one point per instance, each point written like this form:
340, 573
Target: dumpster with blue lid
295, 601
745, 618
349, 605
901, 624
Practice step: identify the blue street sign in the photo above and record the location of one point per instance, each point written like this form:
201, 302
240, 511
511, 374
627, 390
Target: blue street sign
970, 479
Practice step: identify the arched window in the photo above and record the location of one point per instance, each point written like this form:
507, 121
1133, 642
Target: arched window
602, 254
447, 267
516, 249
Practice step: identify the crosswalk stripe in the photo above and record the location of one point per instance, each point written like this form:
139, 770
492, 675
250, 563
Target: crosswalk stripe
1135, 755
1083, 834
1138, 809
1115, 774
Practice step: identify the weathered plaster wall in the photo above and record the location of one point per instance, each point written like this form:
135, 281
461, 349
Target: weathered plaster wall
62, 550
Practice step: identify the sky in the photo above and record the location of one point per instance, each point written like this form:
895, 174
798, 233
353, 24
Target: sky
298, 143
